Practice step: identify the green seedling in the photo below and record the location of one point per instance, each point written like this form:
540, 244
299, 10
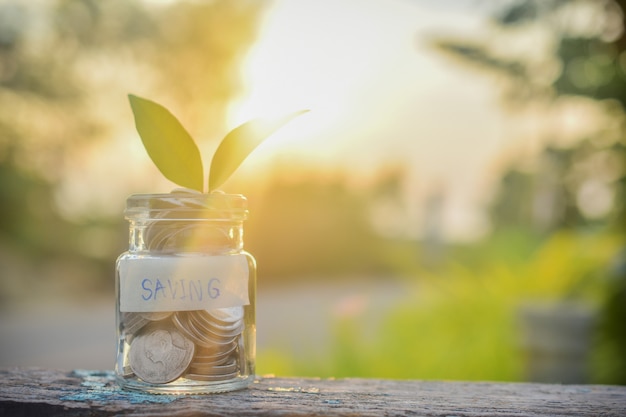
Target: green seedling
176, 155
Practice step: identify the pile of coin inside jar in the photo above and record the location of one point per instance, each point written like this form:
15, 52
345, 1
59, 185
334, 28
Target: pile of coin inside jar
203, 345
198, 345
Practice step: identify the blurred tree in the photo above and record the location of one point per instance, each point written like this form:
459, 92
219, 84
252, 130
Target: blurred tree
585, 56
65, 69
312, 228
573, 186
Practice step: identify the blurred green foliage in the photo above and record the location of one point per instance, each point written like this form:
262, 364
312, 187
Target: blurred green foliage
314, 227
587, 60
461, 321
549, 241
66, 67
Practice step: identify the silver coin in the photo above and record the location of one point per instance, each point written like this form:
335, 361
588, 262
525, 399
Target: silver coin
180, 321
133, 322
201, 377
213, 354
225, 369
219, 360
159, 237
185, 324
207, 339
127, 372
160, 354
157, 315
208, 322
226, 316
209, 330
216, 360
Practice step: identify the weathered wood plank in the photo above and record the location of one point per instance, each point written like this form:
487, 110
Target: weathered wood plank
32, 392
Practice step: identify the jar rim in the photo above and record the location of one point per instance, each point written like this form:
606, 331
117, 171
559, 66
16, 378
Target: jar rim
182, 205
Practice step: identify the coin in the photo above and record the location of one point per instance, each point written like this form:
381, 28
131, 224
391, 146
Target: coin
209, 330
157, 315
213, 361
180, 319
205, 338
186, 324
226, 316
224, 369
132, 323
215, 354
201, 377
217, 335
127, 372
158, 237
219, 328
160, 354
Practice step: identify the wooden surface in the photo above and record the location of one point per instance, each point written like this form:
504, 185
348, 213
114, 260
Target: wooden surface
34, 392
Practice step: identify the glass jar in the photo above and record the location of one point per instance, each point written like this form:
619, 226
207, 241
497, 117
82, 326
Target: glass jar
185, 292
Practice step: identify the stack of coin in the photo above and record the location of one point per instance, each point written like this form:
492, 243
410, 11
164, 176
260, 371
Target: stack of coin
217, 336
201, 345
133, 322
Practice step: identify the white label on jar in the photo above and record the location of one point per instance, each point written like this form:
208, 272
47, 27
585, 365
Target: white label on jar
179, 283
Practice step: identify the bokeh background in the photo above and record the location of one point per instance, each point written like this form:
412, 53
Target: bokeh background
452, 207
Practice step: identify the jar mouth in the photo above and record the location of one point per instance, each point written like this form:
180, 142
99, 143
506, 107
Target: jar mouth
187, 205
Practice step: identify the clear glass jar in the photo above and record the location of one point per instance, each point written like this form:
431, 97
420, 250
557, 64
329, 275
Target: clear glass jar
185, 292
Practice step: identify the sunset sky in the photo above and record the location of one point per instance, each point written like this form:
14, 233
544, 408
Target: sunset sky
380, 95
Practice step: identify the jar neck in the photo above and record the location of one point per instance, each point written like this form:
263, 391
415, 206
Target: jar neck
186, 222
185, 236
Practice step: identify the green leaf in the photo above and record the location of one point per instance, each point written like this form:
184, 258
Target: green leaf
168, 144
239, 143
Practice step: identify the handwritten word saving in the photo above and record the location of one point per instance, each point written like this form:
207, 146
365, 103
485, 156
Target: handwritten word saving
179, 289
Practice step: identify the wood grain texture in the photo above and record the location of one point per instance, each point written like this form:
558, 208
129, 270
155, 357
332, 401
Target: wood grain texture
33, 392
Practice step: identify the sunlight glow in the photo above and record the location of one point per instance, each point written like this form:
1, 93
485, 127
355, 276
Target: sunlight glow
338, 61
378, 94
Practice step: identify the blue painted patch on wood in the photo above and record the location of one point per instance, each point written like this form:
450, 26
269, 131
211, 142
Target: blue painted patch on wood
100, 386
